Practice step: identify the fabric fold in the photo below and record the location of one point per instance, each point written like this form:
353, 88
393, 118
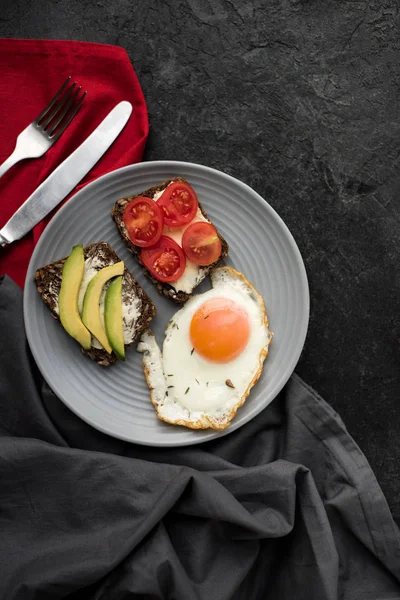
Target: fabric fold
285, 507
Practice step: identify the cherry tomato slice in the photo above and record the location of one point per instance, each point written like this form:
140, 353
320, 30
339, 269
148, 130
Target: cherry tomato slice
179, 203
165, 260
144, 221
201, 243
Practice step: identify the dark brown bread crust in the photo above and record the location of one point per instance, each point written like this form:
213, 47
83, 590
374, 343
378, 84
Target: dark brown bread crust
48, 284
162, 288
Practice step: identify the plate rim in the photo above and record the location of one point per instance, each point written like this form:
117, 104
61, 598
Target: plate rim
208, 435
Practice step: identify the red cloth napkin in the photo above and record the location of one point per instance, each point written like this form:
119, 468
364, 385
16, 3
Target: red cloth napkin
31, 73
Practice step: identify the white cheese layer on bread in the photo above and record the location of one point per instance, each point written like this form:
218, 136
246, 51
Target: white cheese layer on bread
192, 273
130, 311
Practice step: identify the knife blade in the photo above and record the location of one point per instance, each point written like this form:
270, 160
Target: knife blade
66, 176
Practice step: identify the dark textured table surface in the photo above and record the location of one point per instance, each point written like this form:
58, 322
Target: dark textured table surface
301, 101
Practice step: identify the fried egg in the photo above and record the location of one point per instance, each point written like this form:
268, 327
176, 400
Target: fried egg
212, 355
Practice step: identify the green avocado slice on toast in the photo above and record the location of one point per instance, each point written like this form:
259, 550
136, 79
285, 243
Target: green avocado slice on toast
91, 303
113, 317
72, 275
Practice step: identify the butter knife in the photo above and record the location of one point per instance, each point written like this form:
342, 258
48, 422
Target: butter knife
66, 176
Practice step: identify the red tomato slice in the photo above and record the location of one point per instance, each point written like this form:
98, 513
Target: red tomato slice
179, 203
144, 221
201, 243
165, 260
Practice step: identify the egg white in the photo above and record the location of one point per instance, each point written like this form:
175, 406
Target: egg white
189, 390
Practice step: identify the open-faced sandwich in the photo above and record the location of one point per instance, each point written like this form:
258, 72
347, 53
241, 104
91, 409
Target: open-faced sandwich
169, 233
97, 301
212, 354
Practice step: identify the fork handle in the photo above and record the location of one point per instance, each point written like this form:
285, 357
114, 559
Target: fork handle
10, 161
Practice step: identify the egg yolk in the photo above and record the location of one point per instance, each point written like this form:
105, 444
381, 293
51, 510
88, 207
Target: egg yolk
220, 330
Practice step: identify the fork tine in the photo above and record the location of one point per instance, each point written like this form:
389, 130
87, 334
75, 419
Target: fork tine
57, 108
52, 102
64, 111
69, 119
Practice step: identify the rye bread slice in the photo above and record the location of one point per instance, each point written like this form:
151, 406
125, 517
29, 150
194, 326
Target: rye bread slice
163, 288
48, 284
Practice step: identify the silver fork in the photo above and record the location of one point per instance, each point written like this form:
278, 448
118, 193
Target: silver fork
41, 134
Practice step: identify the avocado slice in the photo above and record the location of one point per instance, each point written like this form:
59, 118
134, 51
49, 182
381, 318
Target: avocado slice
72, 275
91, 303
113, 317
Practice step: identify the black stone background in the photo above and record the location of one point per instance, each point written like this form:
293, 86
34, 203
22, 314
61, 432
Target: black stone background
299, 99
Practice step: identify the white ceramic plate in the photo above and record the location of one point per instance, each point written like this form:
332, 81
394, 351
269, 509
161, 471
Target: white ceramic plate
115, 400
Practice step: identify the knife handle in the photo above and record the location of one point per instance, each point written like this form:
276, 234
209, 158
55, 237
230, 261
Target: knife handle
3, 241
